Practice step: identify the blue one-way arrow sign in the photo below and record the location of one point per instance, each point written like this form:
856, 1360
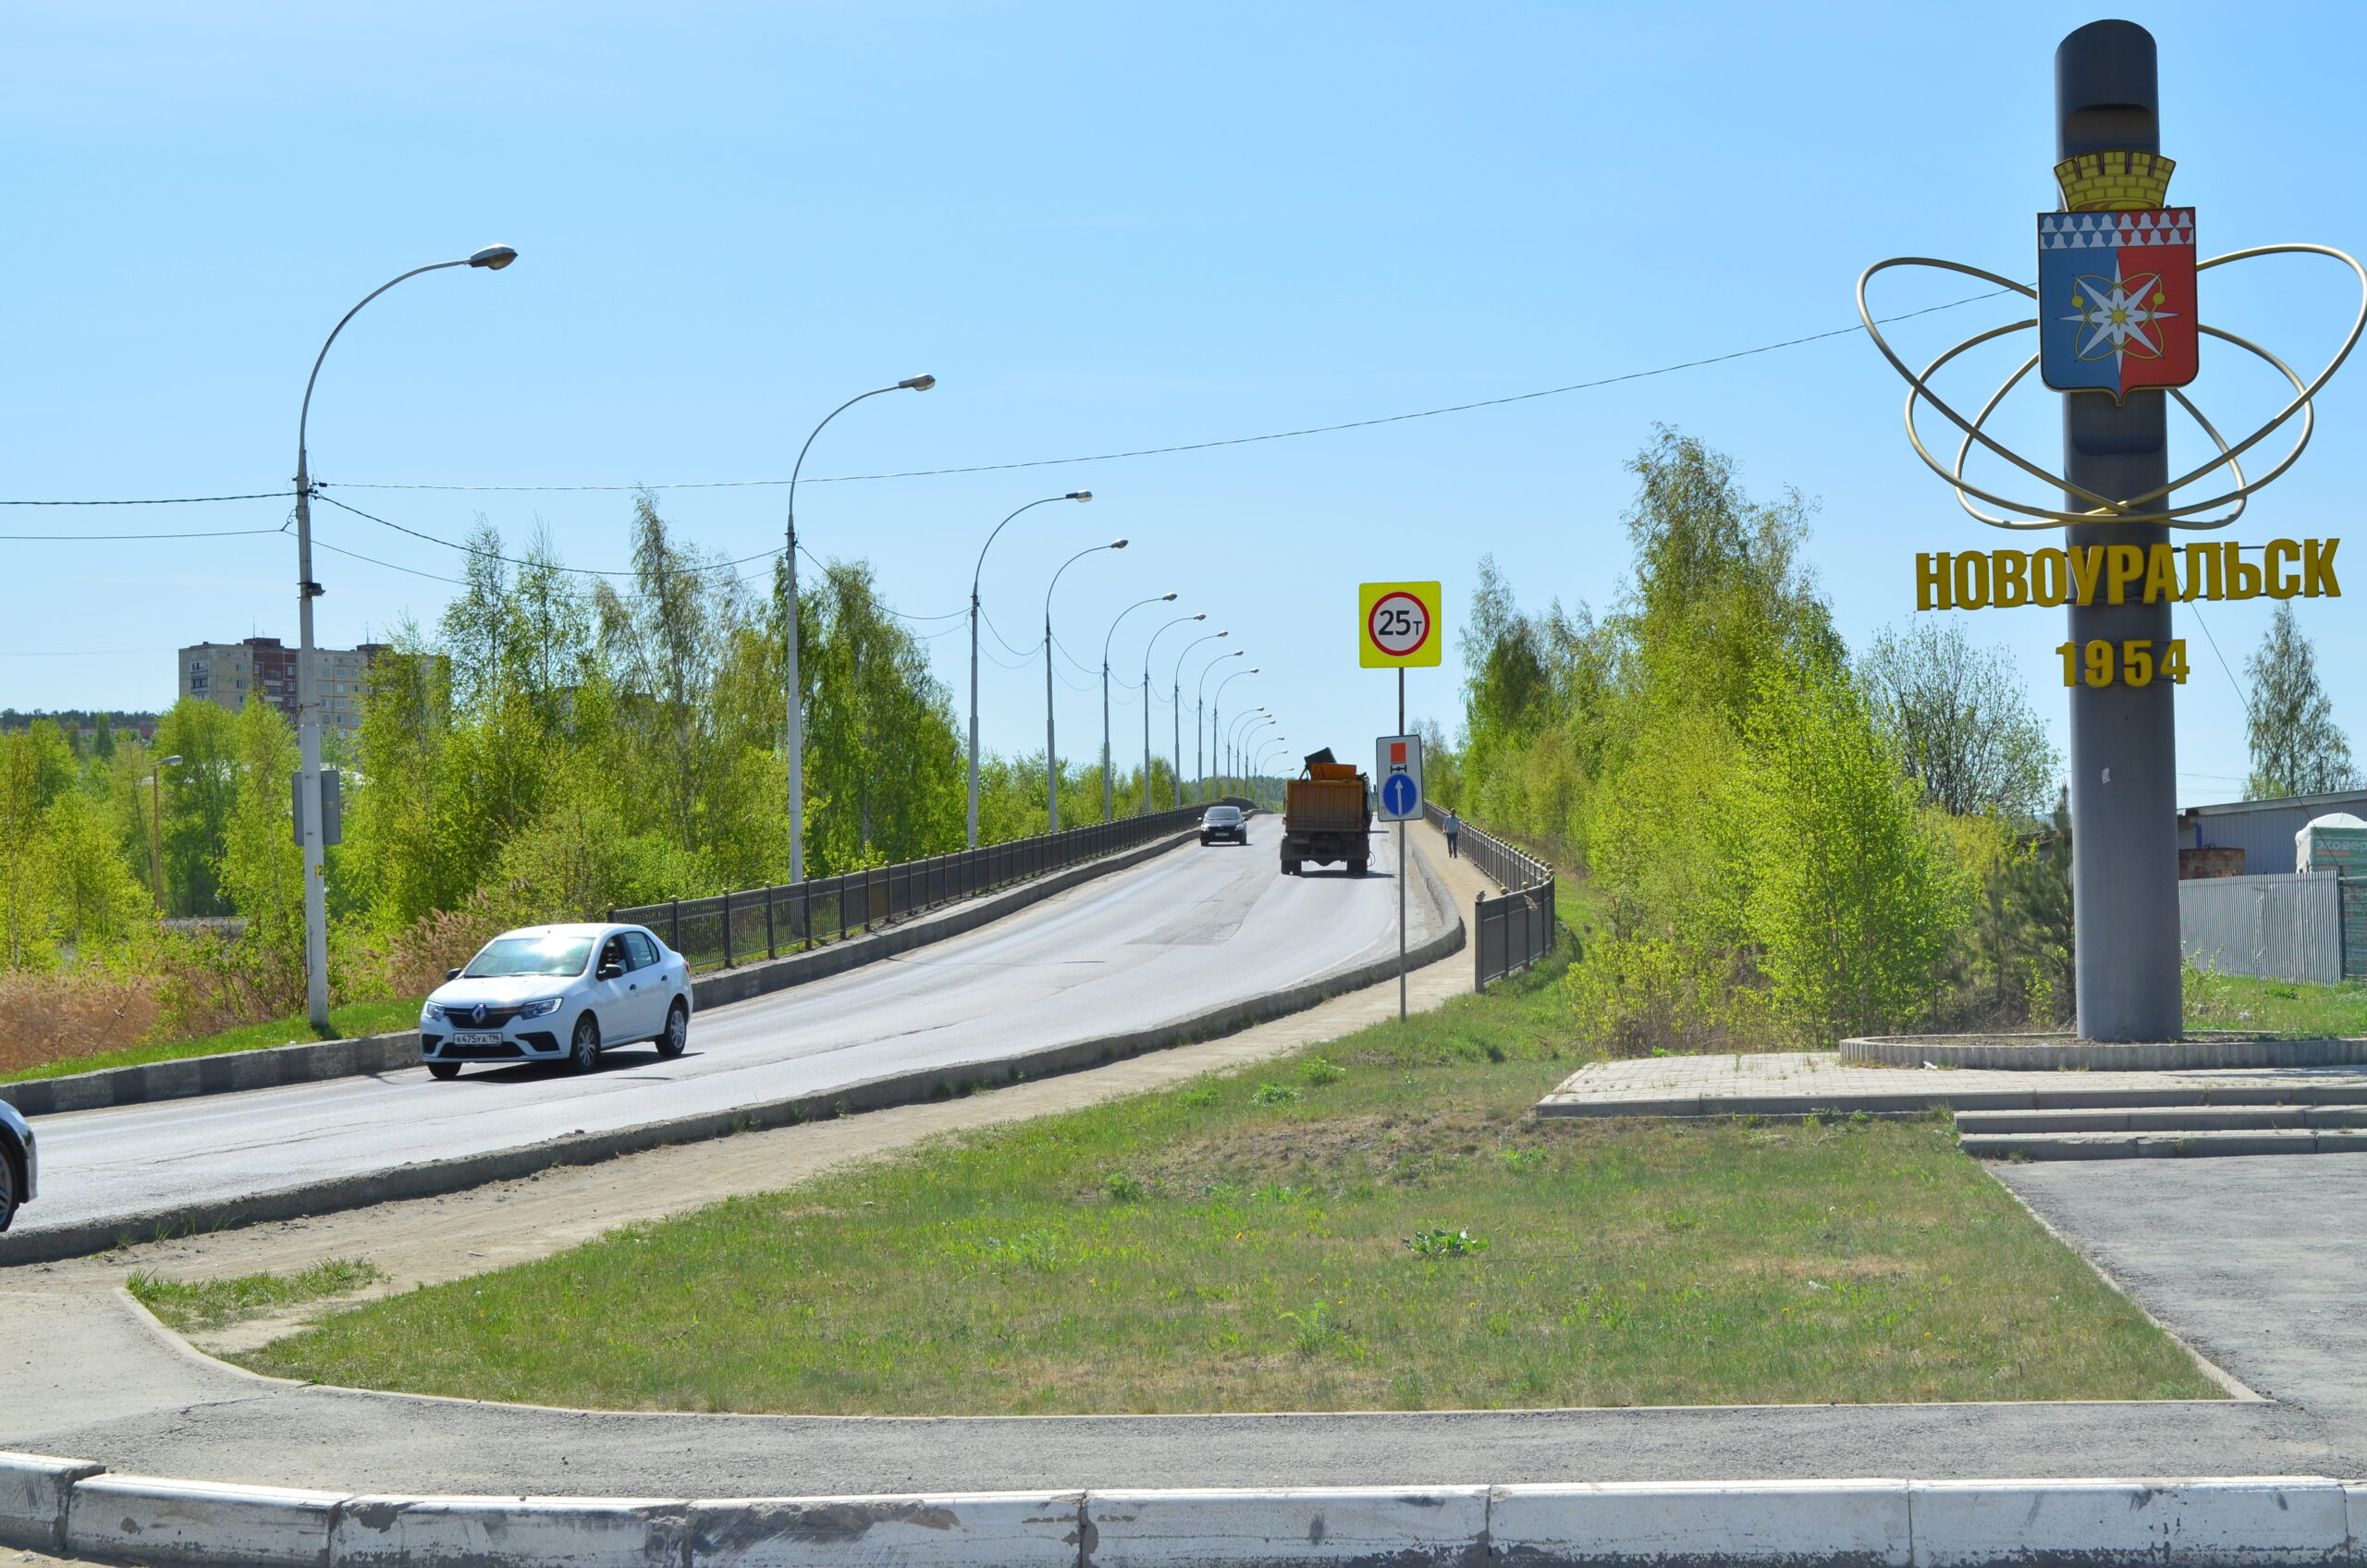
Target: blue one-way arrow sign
1397, 765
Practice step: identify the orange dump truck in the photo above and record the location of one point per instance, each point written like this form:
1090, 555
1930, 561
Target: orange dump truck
1326, 816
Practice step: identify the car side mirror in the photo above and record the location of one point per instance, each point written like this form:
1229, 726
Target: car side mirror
611, 970
451, 975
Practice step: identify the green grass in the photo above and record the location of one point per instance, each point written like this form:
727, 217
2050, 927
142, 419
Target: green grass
2274, 1007
1375, 1224
361, 1018
217, 1304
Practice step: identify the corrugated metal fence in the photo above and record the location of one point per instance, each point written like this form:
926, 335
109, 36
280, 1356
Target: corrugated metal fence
2311, 928
764, 922
1512, 932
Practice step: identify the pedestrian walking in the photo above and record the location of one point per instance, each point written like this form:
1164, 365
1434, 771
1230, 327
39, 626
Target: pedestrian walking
1453, 836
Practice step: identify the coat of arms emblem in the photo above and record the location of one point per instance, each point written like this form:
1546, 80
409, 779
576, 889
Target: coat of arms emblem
2116, 279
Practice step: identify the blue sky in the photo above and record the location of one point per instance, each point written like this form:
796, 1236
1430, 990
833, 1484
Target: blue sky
1102, 227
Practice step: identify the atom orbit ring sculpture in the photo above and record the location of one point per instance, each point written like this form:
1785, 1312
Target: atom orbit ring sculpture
2153, 506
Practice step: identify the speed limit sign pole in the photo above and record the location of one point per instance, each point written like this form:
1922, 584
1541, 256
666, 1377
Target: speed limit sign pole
1399, 627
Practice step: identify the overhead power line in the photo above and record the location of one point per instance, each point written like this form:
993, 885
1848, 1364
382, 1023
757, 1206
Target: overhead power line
96, 538
161, 501
1092, 458
480, 551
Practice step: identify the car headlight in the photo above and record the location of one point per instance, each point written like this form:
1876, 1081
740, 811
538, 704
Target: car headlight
432, 1011
543, 1009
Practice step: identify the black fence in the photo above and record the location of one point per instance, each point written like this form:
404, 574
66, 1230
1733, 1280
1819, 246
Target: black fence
1512, 932
733, 928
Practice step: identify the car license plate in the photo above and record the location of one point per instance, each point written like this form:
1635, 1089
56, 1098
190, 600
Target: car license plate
476, 1038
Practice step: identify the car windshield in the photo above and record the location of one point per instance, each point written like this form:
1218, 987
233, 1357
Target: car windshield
506, 956
1224, 813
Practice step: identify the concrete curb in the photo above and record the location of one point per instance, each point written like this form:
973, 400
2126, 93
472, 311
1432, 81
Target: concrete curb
434, 1177
316, 1061
2256, 1521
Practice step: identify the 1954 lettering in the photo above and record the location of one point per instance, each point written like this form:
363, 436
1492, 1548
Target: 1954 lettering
2126, 663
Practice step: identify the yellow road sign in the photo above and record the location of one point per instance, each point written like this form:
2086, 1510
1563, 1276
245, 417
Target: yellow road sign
1398, 625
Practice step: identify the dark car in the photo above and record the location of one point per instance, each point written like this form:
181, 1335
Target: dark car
19, 1165
1224, 823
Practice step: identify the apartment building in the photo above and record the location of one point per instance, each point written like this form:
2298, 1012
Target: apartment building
227, 674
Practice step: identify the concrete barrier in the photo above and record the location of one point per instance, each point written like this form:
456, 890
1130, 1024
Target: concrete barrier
951, 1530
34, 1490
2231, 1522
200, 1523
233, 1072
2240, 1521
529, 1532
313, 1062
1833, 1524
1408, 1527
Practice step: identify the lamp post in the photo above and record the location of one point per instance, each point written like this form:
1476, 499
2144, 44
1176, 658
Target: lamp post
1241, 745
1219, 685
1072, 496
1198, 742
156, 830
309, 827
1259, 761
790, 631
1242, 724
1179, 621
1216, 717
1052, 751
1108, 807
1177, 700
1202, 686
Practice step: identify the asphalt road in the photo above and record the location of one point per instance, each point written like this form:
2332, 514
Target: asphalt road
1188, 930
2260, 1262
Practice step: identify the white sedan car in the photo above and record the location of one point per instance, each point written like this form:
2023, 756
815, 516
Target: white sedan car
553, 993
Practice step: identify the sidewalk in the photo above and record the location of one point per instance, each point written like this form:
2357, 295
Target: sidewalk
1463, 879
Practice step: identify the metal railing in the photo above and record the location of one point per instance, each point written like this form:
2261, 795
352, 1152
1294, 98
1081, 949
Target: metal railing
733, 928
1512, 932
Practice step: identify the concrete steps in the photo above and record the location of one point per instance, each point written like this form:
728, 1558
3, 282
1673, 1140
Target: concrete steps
2164, 1145
2193, 1118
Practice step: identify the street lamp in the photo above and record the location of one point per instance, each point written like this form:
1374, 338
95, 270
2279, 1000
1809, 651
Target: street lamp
156, 830
1213, 661
1179, 621
1051, 753
1201, 685
1258, 763
790, 631
1216, 717
1200, 708
1236, 733
1108, 807
1072, 496
1240, 744
1180, 706
309, 827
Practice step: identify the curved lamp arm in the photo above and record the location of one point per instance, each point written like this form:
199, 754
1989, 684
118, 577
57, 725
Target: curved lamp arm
1186, 653
1090, 550
1179, 621
1219, 685
981, 566
1154, 599
909, 384
493, 258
